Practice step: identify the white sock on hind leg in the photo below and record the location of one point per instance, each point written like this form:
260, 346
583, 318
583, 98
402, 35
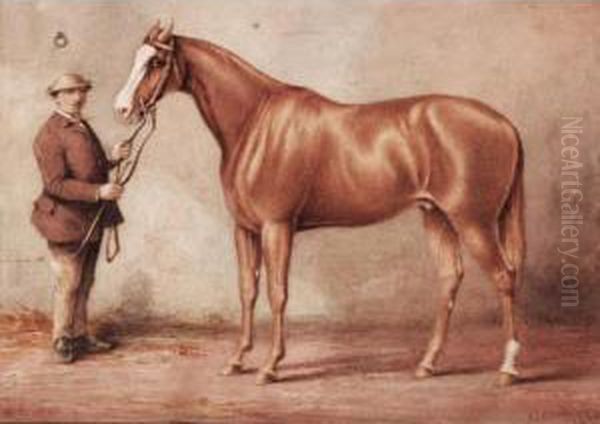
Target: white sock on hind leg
510, 356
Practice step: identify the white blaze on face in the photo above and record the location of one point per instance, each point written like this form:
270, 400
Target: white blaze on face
123, 102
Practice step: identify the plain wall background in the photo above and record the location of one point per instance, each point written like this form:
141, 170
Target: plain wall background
535, 63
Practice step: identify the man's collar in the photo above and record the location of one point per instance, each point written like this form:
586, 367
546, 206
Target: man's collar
68, 119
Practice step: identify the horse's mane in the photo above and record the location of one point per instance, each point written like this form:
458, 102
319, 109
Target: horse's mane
232, 59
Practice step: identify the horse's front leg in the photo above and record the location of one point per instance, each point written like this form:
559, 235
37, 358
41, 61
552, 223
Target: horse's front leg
248, 250
276, 238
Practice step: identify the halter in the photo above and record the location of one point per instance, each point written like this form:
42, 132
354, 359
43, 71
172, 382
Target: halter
164, 75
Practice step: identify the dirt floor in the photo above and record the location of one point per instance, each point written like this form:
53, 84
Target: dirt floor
331, 375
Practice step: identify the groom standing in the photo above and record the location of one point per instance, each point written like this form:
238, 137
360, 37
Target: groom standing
75, 172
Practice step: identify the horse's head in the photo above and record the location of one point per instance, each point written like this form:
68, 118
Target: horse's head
153, 74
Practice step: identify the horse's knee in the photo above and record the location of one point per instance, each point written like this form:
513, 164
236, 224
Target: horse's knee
249, 296
277, 299
248, 289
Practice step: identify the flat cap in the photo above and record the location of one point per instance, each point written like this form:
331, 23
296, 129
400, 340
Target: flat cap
67, 82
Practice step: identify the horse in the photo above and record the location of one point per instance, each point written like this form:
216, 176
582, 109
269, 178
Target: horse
293, 160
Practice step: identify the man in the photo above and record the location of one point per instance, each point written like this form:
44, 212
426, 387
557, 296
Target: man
74, 171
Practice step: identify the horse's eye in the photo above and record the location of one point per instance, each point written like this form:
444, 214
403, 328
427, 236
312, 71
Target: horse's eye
156, 62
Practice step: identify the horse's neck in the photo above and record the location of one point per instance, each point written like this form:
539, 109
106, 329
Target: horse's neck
226, 89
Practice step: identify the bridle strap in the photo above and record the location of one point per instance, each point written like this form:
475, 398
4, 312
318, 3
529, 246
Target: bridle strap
163, 46
165, 72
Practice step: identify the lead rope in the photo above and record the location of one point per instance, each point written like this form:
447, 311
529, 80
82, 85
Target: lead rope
122, 175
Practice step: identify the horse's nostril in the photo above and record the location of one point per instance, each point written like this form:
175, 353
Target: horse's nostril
123, 112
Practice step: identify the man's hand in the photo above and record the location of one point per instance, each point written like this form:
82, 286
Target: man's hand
121, 151
110, 191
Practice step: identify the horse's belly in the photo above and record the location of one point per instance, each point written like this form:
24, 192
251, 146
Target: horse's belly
350, 208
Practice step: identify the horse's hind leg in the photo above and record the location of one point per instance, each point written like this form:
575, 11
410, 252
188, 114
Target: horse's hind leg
446, 248
249, 257
484, 244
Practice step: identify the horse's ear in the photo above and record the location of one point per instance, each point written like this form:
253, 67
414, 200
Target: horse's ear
166, 33
153, 32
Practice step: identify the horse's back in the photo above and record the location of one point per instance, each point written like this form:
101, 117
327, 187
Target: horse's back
378, 158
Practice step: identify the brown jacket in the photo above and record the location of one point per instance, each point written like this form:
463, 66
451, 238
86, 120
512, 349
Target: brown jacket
73, 166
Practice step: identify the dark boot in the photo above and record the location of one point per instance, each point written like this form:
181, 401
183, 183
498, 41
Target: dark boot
65, 351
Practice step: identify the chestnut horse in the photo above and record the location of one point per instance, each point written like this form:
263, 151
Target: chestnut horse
293, 159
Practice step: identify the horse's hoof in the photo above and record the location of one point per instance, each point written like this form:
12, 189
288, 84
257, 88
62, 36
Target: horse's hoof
423, 372
266, 377
232, 369
506, 379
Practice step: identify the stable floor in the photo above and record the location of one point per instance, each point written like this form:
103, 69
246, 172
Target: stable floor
331, 375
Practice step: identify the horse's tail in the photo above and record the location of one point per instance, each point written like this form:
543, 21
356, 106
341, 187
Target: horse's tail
512, 218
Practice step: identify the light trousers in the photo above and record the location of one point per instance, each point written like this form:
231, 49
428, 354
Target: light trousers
75, 274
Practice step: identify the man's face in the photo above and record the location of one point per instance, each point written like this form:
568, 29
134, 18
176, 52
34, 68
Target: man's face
71, 100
